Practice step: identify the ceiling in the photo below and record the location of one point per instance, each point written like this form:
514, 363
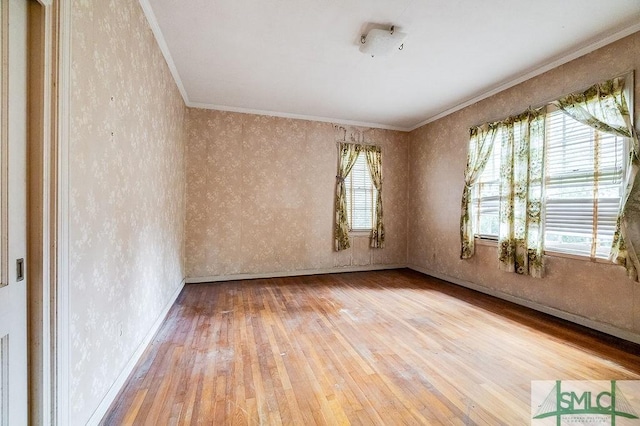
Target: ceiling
300, 58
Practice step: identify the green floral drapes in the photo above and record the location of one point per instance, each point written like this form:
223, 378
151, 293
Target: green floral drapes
520, 239
374, 161
348, 155
480, 147
604, 107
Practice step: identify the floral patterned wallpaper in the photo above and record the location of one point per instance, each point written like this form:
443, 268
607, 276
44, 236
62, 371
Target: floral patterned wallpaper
256, 194
597, 291
127, 203
260, 194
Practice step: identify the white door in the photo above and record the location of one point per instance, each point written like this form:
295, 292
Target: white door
13, 284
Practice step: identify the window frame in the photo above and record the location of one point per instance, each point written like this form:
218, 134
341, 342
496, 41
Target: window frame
491, 240
626, 145
350, 195
476, 200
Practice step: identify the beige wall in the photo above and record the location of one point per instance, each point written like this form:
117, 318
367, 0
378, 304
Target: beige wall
595, 291
127, 208
260, 194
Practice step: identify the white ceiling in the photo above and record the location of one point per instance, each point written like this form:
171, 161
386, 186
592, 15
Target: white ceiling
300, 58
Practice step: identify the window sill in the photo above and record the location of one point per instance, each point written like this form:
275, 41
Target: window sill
577, 257
486, 242
360, 232
494, 243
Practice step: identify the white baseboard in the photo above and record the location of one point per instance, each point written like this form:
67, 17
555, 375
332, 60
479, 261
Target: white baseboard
128, 368
126, 371
577, 319
365, 268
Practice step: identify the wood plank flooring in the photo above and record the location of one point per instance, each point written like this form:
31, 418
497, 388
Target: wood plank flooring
384, 348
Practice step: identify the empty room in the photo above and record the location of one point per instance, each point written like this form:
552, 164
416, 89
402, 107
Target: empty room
369, 212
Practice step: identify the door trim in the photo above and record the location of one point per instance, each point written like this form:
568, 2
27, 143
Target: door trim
37, 264
4, 147
60, 225
48, 240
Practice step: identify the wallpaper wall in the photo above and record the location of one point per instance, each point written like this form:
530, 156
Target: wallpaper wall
127, 183
260, 194
597, 291
160, 192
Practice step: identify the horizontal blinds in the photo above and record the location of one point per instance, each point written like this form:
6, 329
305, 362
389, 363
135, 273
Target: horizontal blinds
486, 205
361, 196
584, 174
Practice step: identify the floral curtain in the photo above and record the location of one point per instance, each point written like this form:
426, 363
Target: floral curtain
480, 147
520, 239
374, 161
348, 154
604, 107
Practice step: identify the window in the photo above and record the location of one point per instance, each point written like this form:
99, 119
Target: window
361, 196
486, 196
584, 183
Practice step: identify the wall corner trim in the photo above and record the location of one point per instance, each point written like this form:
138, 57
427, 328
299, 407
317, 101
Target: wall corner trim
296, 273
576, 319
120, 381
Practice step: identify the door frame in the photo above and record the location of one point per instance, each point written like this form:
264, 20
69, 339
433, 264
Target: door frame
38, 142
48, 207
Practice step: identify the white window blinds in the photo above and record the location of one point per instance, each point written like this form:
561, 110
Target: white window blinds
361, 196
583, 186
486, 196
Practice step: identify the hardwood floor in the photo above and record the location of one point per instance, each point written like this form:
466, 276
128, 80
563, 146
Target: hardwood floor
388, 347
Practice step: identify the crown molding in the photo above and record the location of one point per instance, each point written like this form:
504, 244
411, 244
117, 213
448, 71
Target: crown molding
164, 48
554, 63
296, 116
581, 50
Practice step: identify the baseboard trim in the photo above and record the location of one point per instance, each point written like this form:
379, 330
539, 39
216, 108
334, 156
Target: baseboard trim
108, 399
297, 273
577, 319
106, 402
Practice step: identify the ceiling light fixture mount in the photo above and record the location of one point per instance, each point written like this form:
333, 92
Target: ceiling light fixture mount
380, 42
